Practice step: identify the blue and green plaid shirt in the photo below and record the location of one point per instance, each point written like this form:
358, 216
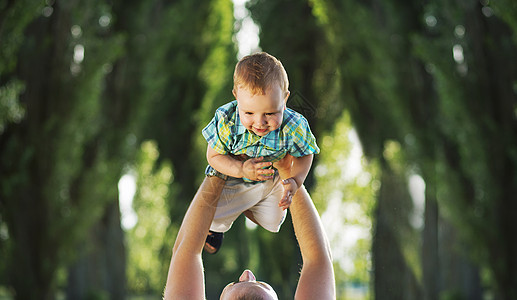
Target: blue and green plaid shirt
226, 135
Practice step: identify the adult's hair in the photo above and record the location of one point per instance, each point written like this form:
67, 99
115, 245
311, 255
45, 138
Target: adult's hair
251, 297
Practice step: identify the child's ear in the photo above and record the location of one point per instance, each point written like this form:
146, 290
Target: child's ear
286, 97
234, 92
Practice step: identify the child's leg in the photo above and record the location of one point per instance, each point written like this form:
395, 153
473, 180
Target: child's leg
213, 242
250, 216
267, 213
284, 171
212, 188
235, 198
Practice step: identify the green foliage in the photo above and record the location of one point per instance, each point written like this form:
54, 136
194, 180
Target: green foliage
69, 128
407, 237
507, 11
288, 30
195, 39
216, 71
10, 109
471, 117
435, 80
451, 295
98, 295
15, 16
55, 155
197, 73
345, 191
430, 89
149, 241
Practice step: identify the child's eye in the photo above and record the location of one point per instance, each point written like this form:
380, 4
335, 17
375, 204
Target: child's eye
248, 113
270, 114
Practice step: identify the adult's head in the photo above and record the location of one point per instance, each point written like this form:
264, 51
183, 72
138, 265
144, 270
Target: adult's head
248, 288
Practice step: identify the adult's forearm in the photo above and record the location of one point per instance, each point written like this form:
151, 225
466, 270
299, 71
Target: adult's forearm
317, 276
308, 227
185, 279
197, 220
301, 167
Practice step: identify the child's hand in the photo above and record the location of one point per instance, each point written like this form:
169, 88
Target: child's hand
290, 188
254, 169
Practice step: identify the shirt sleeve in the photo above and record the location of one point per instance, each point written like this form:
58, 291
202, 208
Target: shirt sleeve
303, 141
217, 133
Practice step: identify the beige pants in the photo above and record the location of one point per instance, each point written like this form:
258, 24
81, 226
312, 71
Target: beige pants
260, 198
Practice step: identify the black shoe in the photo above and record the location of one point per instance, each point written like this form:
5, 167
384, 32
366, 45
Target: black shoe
213, 243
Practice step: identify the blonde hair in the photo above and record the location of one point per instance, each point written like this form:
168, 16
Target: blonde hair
259, 72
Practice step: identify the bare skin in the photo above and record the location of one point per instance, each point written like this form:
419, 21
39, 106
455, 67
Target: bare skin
262, 114
186, 277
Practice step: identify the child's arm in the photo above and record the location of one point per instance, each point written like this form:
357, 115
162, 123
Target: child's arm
293, 171
251, 168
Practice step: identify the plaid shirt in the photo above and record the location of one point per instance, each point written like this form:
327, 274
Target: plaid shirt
226, 135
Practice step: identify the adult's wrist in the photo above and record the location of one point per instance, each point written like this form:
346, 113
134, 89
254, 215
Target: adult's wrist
298, 185
299, 182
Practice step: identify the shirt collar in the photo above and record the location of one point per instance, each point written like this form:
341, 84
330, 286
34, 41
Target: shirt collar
240, 128
270, 140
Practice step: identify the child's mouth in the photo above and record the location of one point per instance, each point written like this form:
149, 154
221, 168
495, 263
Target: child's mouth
257, 130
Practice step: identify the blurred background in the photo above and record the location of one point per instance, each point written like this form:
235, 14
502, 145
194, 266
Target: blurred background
413, 103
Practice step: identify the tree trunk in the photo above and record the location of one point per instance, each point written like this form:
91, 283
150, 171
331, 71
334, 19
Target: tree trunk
29, 276
393, 277
100, 271
459, 277
430, 260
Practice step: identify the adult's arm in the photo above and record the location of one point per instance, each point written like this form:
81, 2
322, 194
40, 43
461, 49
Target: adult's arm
300, 168
186, 279
317, 276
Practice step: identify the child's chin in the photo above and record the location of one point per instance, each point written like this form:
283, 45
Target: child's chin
261, 133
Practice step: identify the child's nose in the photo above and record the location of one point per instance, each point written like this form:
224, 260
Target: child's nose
261, 120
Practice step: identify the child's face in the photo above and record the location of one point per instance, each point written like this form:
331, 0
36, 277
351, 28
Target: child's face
261, 114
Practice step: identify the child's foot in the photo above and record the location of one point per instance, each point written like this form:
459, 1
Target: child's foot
213, 243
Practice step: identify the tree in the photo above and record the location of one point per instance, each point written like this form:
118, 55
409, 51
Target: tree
44, 191
398, 73
150, 238
127, 97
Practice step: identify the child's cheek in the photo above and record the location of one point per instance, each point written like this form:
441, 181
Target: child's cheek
278, 122
246, 122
